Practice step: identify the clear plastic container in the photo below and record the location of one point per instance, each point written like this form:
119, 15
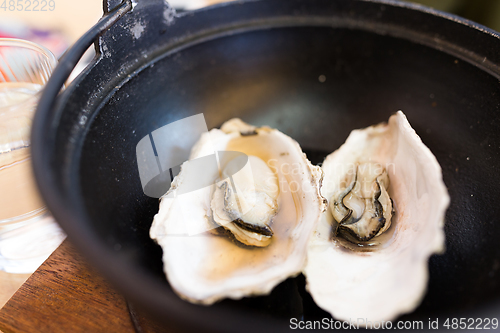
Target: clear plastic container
28, 234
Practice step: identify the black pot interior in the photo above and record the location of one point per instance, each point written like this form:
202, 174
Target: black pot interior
271, 77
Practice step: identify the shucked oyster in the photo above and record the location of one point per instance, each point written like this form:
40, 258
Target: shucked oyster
249, 229
362, 207
368, 256
247, 204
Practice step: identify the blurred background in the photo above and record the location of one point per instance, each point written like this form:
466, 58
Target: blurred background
59, 28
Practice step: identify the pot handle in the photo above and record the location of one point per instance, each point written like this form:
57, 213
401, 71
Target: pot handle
69, 60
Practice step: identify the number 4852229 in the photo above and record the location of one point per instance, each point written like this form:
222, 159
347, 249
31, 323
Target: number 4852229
27, 5
471, 324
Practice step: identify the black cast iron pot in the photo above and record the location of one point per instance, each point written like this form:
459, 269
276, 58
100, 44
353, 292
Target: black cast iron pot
261, 60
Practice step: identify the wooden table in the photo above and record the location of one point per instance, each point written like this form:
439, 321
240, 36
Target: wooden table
65, 295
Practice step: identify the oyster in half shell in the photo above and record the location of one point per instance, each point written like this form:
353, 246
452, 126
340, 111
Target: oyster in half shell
248, 229
387, 201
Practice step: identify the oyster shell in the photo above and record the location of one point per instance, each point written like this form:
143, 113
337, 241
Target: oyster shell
249, 229
379, 278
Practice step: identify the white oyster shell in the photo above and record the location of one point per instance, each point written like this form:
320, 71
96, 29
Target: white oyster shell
389, 278
203, 266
